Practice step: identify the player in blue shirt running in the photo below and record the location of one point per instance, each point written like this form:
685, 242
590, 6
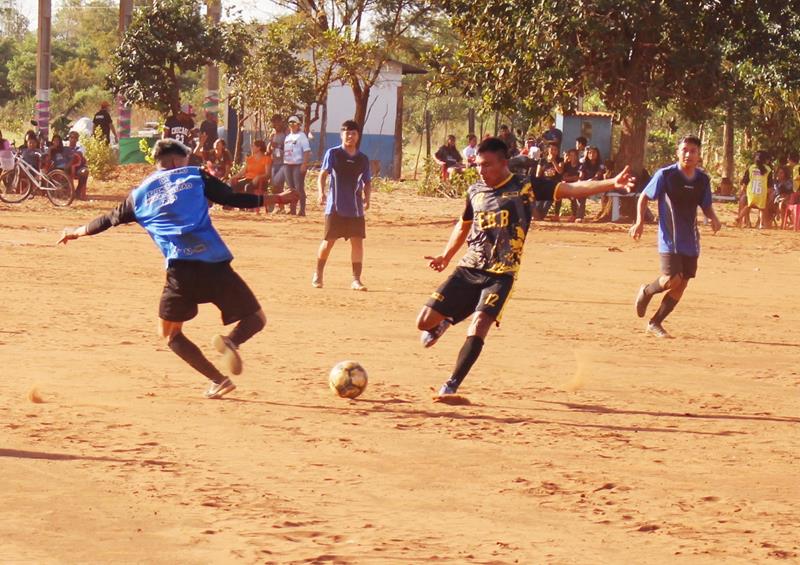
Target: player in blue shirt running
679, 189
172, 206
349, 192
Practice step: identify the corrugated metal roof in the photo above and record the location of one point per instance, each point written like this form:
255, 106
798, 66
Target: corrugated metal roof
591, 114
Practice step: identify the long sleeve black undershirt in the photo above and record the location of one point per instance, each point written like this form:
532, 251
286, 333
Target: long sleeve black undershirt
214, 189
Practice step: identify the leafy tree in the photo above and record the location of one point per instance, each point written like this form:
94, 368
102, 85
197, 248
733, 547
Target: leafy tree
7, 52
13, 24
165, 40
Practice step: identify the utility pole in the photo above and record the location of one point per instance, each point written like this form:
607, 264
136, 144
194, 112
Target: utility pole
43, 69
211, 102
123, 109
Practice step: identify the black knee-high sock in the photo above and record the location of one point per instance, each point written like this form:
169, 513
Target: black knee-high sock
667, 305
321, 266
466, 359
246, 328
357, 271
189, 352
654, 288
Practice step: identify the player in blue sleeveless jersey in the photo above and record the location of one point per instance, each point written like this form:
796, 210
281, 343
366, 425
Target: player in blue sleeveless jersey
349, 192
171, 205
679, 189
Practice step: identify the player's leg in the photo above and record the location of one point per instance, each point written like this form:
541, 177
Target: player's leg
662, 283
684, 268
184, 348
357, 260
323, 252
452, 302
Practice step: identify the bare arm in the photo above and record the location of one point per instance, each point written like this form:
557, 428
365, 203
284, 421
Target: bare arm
367, 194
712, 215
457, 238
321, 180
584, 188
637, 228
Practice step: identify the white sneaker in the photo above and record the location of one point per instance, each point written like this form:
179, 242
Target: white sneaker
428, 338
316, 281
218, 390
658, 330
358, 285
231, 359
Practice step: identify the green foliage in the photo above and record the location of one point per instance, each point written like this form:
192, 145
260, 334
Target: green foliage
100, 157
146, 149
454, 187
165, 40
13, 24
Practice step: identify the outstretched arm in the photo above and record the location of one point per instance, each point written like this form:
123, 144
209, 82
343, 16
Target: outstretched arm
457, 238
122, 214
584, 188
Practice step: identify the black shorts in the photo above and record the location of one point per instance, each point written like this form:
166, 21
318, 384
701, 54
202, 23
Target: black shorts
675, 264
337, 226
471, 290
190, 283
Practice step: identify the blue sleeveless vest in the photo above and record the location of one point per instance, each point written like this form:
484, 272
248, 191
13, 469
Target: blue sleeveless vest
172, 207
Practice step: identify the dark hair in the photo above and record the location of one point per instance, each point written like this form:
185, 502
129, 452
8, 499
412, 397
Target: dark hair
692, 139
451, 136
596, 150
261, 145
794, 156
471, 136
164, 147
582, 140
493, 145
504, 126
351, 125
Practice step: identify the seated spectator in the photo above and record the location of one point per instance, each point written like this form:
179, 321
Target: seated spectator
572, 173
60, 157
471, 150
592, 168
219, 161
509, 139
781, 192
553, 135
581, 144
80, 169
754, 192
449, 158
31, 153
254, 176
5, 145
531, 149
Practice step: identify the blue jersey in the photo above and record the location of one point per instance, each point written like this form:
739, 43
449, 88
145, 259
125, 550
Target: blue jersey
171, 205
678, 199
348, 174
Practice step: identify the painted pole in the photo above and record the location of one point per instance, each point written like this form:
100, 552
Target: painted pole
43, 69
211, 101
123, 108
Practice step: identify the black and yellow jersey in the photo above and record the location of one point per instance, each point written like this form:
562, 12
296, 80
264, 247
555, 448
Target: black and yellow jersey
500, 219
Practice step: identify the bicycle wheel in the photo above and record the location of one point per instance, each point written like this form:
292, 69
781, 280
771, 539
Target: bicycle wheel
61, 192
14, 186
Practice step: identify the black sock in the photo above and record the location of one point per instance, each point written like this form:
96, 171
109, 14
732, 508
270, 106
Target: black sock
189, 352
667, 305
654, 288
320, 266
247, 328
357, 271
466, 359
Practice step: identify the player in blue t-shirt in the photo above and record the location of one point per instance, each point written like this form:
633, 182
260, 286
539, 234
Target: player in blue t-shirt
679, 190
172, 206
349, 192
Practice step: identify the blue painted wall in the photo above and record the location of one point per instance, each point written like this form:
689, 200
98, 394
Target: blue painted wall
575, 126
376, 147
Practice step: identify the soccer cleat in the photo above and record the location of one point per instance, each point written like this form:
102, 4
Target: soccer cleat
446, 389
657, 330
358, 285
316, 281
642, 300
218, 390
428, 338
231, 359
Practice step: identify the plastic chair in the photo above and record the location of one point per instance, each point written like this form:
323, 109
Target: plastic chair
794, 210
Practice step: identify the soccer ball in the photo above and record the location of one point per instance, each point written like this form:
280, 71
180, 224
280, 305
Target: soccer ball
348, 379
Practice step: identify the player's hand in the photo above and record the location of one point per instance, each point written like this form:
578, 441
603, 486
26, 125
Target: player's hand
438, 263
716, 225
624, 180
636, 230
66, 235
321, 200
366, 204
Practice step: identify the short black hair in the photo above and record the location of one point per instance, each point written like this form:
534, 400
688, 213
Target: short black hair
493, 145
691, 138
349, 125
164, 147
472, 136
582, 140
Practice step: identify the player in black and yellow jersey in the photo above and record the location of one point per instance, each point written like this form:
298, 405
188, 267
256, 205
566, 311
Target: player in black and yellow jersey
494, 224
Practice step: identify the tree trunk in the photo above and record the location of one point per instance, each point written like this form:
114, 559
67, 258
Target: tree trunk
323, 132
361, 96
727, 144
471, 121
428, 133
397, 168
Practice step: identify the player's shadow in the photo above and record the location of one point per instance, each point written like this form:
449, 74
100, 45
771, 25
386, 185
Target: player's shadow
600, 409
21, 454
772, 343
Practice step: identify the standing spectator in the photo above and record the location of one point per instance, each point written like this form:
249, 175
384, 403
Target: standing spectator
80, 169
348, 198
572, 173
592, 168
510, 140
781, 192
794, 169
580, 145
209, 127
179, 126
471, 150
550, 167
102, 121
277, 139
554, 135
449, 158
296, 155
754, 193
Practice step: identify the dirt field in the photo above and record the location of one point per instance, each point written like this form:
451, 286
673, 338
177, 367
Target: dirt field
585, 442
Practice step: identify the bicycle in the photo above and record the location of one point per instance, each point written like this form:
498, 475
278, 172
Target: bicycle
19, 180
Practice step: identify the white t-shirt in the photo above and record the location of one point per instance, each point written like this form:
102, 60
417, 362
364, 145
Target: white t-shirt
294, 146
470, 152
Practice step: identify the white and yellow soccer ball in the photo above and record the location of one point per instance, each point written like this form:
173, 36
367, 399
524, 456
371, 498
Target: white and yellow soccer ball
348, 379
